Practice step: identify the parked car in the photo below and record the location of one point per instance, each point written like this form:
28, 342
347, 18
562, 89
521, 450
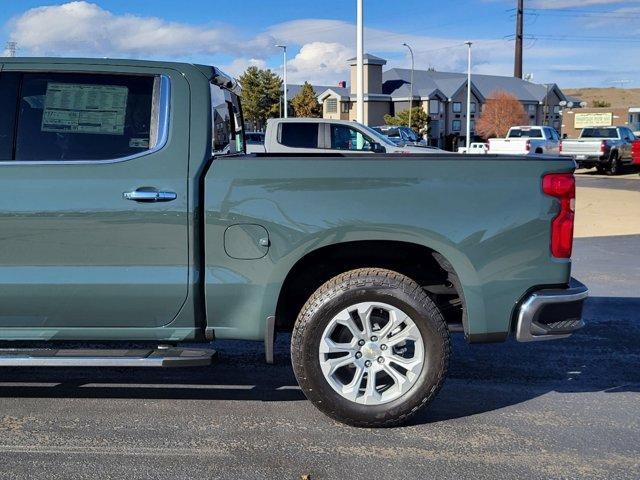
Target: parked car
322, 135
606, 148
635, 152
401, 135
124, 227
476, 148
255, 142
525, 140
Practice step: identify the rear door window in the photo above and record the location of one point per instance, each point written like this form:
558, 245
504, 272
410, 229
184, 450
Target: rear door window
299, 135
70, 116
9, 83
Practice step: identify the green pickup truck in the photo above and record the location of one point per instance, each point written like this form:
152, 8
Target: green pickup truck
132, 215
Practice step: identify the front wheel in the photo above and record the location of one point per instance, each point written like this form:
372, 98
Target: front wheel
614, 165
370, 348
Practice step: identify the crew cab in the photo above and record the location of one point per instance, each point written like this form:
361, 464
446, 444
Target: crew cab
606, 148
132, 214
322, 135
525, 140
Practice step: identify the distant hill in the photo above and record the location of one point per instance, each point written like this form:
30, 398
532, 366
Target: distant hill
617, 97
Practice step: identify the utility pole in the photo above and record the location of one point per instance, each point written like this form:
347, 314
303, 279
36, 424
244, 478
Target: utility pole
469, 97
12, 48
284, 80
411, 86
517, 69
359, 63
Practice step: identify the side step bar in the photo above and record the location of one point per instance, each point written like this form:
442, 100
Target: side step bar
159, 357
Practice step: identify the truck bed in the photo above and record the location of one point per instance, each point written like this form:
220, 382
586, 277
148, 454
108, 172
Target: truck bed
486, 215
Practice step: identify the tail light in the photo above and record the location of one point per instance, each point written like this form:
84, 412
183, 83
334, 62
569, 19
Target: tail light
528, 146
563, 187
560, 147
603, 146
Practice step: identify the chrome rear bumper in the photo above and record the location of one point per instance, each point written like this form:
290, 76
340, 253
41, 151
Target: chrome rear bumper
551, 314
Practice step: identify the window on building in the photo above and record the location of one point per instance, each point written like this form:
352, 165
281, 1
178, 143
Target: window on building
434, 107
457, 107
344, 137
473, 107
344, 107
456, 125
556, 109
73, 116
299, 135
473, 125
332, 105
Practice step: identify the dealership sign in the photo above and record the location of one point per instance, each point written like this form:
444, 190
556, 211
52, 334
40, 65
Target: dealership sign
583, 120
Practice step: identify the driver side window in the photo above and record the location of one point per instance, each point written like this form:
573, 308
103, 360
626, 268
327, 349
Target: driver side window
344, 137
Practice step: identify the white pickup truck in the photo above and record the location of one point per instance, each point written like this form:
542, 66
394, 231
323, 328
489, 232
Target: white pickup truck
606, 148
526, 140
322, 135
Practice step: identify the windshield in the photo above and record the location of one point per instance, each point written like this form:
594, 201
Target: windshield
599, 133
380, 138
525, 133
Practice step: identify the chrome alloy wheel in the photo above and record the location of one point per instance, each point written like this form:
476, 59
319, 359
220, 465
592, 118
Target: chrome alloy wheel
371, 353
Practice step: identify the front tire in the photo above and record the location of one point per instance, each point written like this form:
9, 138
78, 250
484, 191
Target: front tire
370, 348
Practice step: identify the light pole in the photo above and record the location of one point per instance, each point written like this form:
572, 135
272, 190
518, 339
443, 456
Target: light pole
359, 63
411, 88
469, 97
284, 80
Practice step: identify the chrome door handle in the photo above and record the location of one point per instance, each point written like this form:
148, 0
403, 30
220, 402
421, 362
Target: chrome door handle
149, 196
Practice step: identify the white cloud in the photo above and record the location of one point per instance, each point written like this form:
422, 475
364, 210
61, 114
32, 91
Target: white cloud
84, 28
239, 65
320, 63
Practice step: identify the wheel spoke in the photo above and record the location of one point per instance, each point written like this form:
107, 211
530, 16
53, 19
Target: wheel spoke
346, 320
412, 365
329, 346
395, 320
399, 379
371, 395
331, 365
410, 332
352, 389
364, 312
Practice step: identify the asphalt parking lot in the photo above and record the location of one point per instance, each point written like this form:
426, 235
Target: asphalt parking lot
567, 409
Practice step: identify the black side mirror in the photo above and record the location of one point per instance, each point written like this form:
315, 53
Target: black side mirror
377, 148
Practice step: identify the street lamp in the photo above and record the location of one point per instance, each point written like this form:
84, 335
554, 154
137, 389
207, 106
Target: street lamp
469, 97
411, 88
359, 62
284, 80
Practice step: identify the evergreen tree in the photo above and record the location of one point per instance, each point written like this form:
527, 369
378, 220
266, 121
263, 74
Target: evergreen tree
261, 91
305, 103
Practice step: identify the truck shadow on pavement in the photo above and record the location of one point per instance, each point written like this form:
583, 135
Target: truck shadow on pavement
604, 357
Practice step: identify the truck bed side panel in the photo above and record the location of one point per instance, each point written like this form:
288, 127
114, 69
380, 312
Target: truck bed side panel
487, 216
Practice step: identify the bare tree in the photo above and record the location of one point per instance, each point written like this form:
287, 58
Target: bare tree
501, 112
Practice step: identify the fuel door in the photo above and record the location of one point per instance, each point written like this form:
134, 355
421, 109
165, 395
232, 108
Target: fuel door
246, 241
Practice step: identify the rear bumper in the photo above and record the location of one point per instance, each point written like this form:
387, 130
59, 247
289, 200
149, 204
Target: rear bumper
551, 314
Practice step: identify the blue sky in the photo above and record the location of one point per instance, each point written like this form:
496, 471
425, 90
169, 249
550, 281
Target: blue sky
573, 43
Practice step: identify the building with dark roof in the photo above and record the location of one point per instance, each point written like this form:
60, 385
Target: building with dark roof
443, 96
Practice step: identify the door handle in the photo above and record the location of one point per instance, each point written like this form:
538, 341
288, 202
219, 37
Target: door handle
148, 195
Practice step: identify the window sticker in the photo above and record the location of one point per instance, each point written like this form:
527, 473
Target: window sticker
81, 108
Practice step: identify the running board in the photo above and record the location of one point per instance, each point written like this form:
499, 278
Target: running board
159, 357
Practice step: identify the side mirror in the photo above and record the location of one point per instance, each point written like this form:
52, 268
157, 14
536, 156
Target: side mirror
377, 148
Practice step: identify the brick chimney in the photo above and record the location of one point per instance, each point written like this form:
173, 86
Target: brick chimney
372, 73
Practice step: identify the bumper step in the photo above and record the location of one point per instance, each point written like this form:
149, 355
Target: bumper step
158, 357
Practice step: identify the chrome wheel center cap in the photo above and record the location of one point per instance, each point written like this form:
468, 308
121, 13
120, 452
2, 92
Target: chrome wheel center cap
371, 350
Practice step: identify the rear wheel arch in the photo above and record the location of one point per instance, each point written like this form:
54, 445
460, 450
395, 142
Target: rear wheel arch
428, 267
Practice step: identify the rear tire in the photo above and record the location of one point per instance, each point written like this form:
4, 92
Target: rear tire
392, 368
614, 165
